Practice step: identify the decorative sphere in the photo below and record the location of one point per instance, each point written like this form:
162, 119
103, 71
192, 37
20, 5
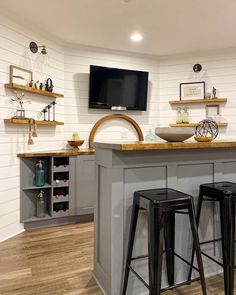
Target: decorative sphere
207, 128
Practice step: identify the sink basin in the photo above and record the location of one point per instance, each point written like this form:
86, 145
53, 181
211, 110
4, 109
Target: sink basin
174, 134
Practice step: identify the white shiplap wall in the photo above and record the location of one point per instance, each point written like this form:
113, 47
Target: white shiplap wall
14, 41
69, 69
219, 70
77, 115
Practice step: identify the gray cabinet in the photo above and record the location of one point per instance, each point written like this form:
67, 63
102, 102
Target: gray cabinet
69, 190
85, 184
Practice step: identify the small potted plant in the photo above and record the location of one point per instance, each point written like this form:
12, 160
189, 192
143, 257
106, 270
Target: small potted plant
18, 99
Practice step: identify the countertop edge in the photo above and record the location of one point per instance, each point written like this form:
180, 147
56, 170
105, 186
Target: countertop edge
72, 152
142, 146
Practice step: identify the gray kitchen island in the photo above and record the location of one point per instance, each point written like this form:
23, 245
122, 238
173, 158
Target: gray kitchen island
122, 169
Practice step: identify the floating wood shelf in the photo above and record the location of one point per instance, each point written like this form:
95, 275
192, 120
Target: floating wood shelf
195, 124
26, 121
33, 90
196, 101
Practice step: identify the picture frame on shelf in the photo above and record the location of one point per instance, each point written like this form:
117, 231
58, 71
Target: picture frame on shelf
20, 76
212, 111
192, 91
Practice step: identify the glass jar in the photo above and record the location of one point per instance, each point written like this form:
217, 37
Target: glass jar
185, 115
179, 116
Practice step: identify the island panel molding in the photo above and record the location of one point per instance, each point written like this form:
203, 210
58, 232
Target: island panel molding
33, 90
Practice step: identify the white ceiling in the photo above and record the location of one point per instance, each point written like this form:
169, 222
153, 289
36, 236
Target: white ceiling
168, 26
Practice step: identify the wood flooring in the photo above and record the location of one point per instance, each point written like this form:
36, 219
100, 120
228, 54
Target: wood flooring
58, 260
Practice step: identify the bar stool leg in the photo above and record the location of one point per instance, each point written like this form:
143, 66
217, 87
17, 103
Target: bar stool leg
170, 245
227, 212
199, 208
155, 249
197, 247
133, 224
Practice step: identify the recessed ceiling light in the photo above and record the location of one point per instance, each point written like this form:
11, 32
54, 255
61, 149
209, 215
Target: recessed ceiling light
136, 37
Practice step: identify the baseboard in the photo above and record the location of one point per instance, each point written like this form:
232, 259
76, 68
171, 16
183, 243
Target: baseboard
12, 235
100, 287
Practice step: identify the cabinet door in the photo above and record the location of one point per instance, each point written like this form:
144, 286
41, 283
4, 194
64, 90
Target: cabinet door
85, 184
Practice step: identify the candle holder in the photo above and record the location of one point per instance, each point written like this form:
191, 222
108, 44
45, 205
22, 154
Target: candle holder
53, 110
44, 111
49, 107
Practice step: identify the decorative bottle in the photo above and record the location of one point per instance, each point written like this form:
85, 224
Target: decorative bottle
40, 174
150, 137
40, 206
179, 116
185, 115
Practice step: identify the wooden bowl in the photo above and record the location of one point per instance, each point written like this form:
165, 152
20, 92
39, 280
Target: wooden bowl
75, 143
203, 138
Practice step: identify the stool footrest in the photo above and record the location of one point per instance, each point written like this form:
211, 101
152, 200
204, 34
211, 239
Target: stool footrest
209, 257
211, 241
181, 258
139, 277
139, 257
143, 256
166, 288
180, 284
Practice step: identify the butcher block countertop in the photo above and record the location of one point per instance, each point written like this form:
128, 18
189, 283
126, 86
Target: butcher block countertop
145, 146
66, 153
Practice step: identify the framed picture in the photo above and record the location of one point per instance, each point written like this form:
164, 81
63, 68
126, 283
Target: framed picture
20, 76
191, 91
212, 111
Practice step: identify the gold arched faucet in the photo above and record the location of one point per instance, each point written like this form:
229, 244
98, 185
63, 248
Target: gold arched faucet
114, 116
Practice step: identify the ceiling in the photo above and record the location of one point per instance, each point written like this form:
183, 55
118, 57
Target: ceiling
167, 26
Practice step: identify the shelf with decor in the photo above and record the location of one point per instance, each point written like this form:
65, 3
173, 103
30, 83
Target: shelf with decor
33, 90
27, 121
197, 101
34, 187
195, 124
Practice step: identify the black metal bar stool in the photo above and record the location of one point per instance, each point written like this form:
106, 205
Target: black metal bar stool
161, 206
225, 194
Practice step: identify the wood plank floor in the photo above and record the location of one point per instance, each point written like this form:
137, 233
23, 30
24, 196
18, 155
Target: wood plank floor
58, 261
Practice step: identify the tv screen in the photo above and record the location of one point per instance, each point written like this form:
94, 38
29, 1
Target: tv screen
111, 88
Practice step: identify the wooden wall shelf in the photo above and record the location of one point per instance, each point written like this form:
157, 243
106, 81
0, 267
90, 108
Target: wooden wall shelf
25, 121
197, 101
195, 124
32, 90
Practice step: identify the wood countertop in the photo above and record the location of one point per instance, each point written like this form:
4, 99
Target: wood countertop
145, 146
71, 152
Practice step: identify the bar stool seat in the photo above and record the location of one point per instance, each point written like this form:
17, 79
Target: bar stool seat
161, 206
225, 194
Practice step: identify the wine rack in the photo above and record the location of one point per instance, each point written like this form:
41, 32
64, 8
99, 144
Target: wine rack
61, 187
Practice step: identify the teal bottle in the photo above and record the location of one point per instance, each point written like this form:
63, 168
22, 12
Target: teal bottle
40, 174
150, 137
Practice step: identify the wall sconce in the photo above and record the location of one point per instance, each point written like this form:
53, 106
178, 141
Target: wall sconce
197, 68
34, 48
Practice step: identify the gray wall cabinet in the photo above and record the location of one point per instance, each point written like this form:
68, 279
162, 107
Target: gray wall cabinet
69, 190
85, 188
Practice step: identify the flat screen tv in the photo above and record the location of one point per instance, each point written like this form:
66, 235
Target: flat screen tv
117, 89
